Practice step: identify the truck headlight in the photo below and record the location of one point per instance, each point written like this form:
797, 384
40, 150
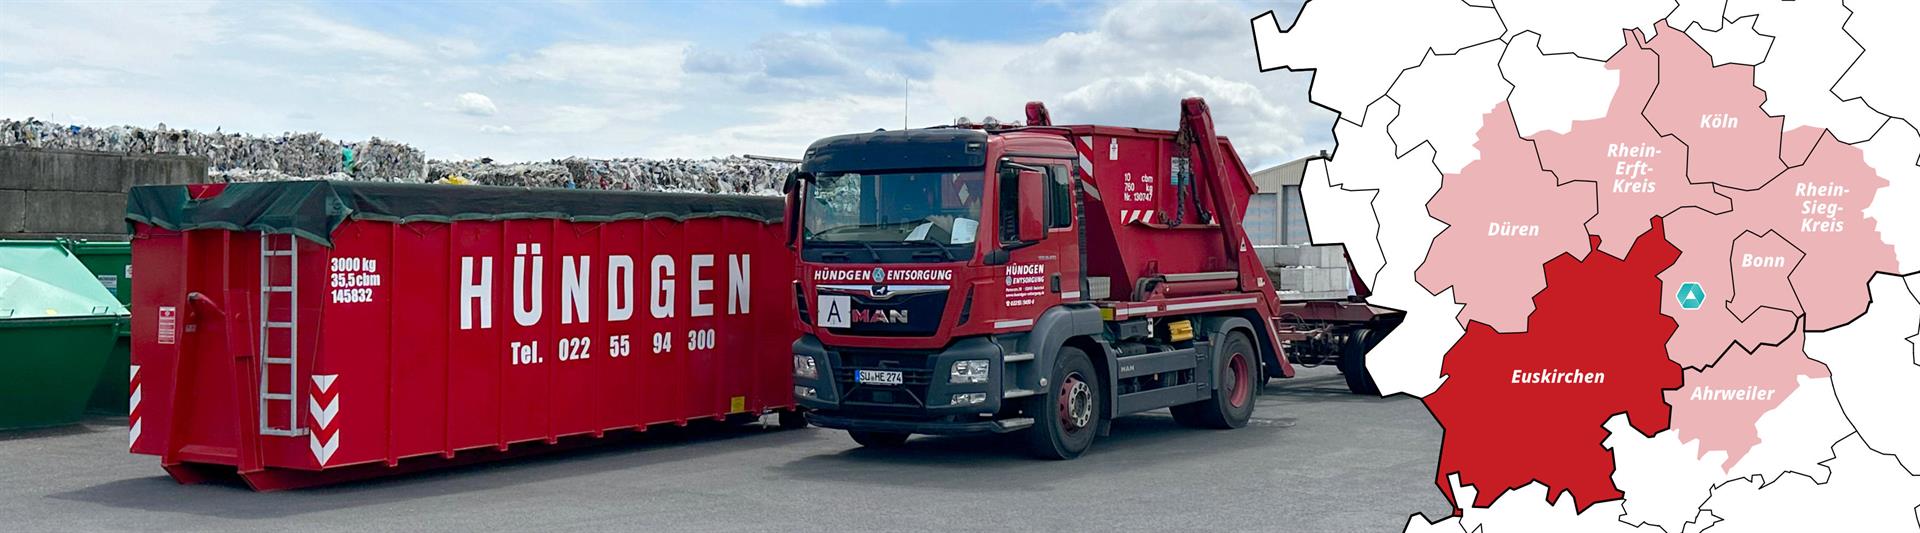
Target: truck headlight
804, 367
969, 371
970, 398
805, 392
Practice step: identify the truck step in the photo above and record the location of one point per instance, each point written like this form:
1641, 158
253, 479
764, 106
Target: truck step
1011, 424
1017, 357
1017, 393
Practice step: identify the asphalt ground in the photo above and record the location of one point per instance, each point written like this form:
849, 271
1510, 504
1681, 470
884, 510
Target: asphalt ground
1313, 459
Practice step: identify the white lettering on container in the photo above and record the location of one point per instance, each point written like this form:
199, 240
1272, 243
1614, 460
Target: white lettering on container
474, 291
527, 310
700, 285
619, 288
573, 289
739, 283
661, 304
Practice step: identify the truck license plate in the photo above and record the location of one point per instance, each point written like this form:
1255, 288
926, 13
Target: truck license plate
878, 377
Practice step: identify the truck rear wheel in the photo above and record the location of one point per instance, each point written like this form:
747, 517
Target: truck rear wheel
875, 439
1353, 363
1067, 416
1232, 402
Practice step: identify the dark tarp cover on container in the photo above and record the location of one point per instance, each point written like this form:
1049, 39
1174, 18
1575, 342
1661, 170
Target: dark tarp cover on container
312, 209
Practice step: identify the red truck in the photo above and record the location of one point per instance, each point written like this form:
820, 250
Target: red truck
1039, 278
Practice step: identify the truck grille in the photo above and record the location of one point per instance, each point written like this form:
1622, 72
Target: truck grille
922, 311
914, 374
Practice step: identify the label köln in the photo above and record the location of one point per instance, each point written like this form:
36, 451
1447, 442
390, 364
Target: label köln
1715, 121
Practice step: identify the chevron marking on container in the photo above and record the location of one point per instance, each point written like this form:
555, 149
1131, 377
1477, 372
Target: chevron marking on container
323, 404
1085, 148
1085, 165
1129, 216
133, 405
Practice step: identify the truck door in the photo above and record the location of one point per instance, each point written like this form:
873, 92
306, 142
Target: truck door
1042, 273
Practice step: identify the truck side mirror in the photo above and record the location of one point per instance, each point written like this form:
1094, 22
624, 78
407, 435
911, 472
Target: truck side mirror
1033, 206
795, 180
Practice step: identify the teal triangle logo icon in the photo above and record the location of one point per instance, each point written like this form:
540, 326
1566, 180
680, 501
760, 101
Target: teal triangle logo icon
1691, 296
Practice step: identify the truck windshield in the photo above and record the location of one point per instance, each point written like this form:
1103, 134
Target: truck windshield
910, 208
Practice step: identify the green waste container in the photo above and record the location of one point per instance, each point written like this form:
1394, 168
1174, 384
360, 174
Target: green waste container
57, 326
112, 264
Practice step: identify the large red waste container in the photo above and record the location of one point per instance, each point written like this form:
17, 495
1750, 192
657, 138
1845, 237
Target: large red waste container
308, 332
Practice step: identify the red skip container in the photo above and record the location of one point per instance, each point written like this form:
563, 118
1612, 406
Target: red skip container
302, 333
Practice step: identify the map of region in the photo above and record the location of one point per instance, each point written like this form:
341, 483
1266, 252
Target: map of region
1666, 269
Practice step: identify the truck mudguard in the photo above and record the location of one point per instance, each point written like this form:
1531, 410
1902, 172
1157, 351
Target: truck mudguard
1062, 322
1217, 328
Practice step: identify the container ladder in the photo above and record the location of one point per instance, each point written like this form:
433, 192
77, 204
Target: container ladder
282, 251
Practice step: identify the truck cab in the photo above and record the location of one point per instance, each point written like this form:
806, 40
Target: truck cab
944, 286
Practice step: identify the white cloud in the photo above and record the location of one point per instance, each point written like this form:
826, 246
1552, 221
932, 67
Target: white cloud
804, 3
61, 77
475, 104
1238, 106
603, 121
1131, 68
578, 81
456, 48
785, 129
96, 37
649, 67
574, 119
818, 63
302, 31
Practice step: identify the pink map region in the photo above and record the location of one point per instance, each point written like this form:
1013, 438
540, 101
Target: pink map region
1716, 112
1495, 243
1761, 264
1718, 406
1706, 242
1639, 173
1817, 207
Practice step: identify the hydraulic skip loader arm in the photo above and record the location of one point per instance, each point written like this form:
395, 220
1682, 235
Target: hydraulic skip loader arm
1196, 125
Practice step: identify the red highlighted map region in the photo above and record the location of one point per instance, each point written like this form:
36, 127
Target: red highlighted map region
1524, 407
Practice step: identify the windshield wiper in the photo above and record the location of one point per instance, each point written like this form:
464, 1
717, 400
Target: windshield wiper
863, 244
944, 252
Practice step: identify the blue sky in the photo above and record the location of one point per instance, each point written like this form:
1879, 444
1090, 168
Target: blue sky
529, 81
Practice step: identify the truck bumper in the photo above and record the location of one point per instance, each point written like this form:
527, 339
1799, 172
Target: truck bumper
922, 404
934, 427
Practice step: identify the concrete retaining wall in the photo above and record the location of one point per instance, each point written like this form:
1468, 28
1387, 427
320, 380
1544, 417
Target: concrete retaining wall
54, 193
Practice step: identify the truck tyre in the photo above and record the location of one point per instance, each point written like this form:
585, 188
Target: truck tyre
875, 439
1232, 402
792, 419
1353, 363
1067, 416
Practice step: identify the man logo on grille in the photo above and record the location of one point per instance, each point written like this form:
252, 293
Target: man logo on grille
879, 282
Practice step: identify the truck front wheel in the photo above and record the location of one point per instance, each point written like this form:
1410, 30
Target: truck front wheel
1067, 416
1232, 402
